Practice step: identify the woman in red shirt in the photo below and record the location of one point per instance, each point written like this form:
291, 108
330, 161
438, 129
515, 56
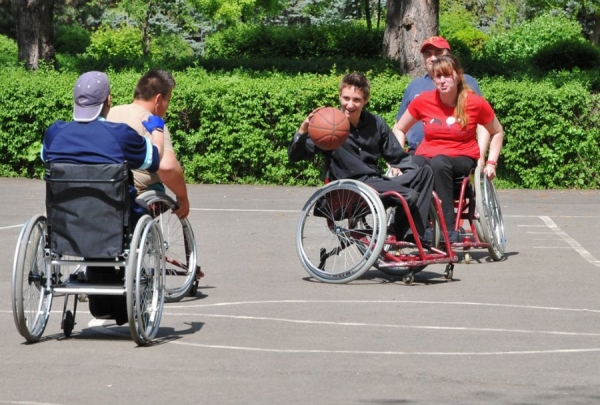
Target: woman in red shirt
450, 115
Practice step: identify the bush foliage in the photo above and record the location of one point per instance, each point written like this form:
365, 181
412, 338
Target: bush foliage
233, 114
235, 127
345, 40
511, 53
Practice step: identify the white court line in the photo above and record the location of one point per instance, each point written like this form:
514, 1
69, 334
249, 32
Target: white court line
179, 305
379, 325
11, 226
27, 403
374, 352
574, 244
97, 324
404, 353
417, 302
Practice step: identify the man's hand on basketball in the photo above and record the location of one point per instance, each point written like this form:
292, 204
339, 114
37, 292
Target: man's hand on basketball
304, 126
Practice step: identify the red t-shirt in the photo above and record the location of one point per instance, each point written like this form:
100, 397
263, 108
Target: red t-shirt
443, 135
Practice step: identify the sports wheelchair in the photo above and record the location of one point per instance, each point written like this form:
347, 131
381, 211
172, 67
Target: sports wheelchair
182, 271
88, 228
344, 230
477, 205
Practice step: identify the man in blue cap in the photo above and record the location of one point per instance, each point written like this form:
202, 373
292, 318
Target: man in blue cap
90, 139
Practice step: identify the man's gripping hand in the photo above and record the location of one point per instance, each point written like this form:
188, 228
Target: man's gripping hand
154, 123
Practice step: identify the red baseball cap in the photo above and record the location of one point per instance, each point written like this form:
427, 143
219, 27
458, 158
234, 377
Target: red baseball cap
437, 42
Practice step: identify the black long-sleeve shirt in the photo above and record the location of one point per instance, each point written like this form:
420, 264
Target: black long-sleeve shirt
357, 158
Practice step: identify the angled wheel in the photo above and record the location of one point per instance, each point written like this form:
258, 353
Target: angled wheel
68, 323
145, 281
490, 215
31, 297
477, 218
433, 223
341, 231
180, 245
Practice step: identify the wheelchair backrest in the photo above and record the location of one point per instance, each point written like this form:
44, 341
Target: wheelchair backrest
87, 206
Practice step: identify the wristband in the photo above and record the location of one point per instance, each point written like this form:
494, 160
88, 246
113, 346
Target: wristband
153, 123
490, 162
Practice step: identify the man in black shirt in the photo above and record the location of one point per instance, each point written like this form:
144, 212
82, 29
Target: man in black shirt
371, 138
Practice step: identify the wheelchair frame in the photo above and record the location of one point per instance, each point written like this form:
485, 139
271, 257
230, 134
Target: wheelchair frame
478, 205
181, 253
40, 273
343, 231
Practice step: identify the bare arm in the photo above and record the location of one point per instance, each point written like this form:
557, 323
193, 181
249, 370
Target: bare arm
158, 140
496, 139
402, 126
483, 139
171, 174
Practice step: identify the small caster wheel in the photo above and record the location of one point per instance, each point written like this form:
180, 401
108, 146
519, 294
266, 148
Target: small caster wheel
467, 258
194, 289
408, 279
449, 272
68, 323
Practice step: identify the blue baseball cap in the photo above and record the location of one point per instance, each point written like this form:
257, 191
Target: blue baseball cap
90, 92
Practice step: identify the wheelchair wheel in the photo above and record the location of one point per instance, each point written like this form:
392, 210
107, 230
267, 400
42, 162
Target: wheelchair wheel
180, 245
490, 215
31, 298
433, 223
341, 231
145, 281
478, 218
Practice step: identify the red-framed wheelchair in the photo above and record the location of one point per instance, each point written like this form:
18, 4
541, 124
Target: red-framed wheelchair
343, 231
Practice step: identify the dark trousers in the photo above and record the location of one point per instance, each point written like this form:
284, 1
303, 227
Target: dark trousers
416, 187
445, 170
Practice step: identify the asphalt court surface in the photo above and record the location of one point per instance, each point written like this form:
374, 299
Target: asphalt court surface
525, 330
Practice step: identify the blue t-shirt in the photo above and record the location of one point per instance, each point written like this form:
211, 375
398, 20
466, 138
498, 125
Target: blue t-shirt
96, 142
414, 136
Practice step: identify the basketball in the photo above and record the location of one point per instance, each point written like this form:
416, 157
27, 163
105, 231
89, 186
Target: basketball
329, 128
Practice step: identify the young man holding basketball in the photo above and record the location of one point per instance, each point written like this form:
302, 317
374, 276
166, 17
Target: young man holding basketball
370, 138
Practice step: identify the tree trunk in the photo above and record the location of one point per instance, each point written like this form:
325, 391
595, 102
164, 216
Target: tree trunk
595, 37
35, 31
146, 40
408, 24
368, 15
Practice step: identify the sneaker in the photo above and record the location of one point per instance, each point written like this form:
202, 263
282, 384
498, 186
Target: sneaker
410, 237
456, 236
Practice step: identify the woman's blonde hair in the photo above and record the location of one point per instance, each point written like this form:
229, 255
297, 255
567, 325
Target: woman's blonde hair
446, 65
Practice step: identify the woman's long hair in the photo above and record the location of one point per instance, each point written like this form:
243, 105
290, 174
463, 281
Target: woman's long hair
446, 65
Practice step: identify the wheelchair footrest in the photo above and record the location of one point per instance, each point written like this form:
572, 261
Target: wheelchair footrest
90, 289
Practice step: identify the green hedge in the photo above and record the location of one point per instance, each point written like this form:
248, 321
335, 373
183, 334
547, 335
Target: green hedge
234, 127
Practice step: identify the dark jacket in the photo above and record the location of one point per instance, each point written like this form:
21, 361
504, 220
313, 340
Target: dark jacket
358, 157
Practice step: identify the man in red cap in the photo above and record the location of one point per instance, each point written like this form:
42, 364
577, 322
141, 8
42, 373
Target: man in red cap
431, 49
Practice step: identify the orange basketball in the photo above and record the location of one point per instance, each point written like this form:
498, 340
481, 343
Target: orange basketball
329, 128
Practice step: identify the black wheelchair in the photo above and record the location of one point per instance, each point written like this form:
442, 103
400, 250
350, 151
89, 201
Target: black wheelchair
86, 245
